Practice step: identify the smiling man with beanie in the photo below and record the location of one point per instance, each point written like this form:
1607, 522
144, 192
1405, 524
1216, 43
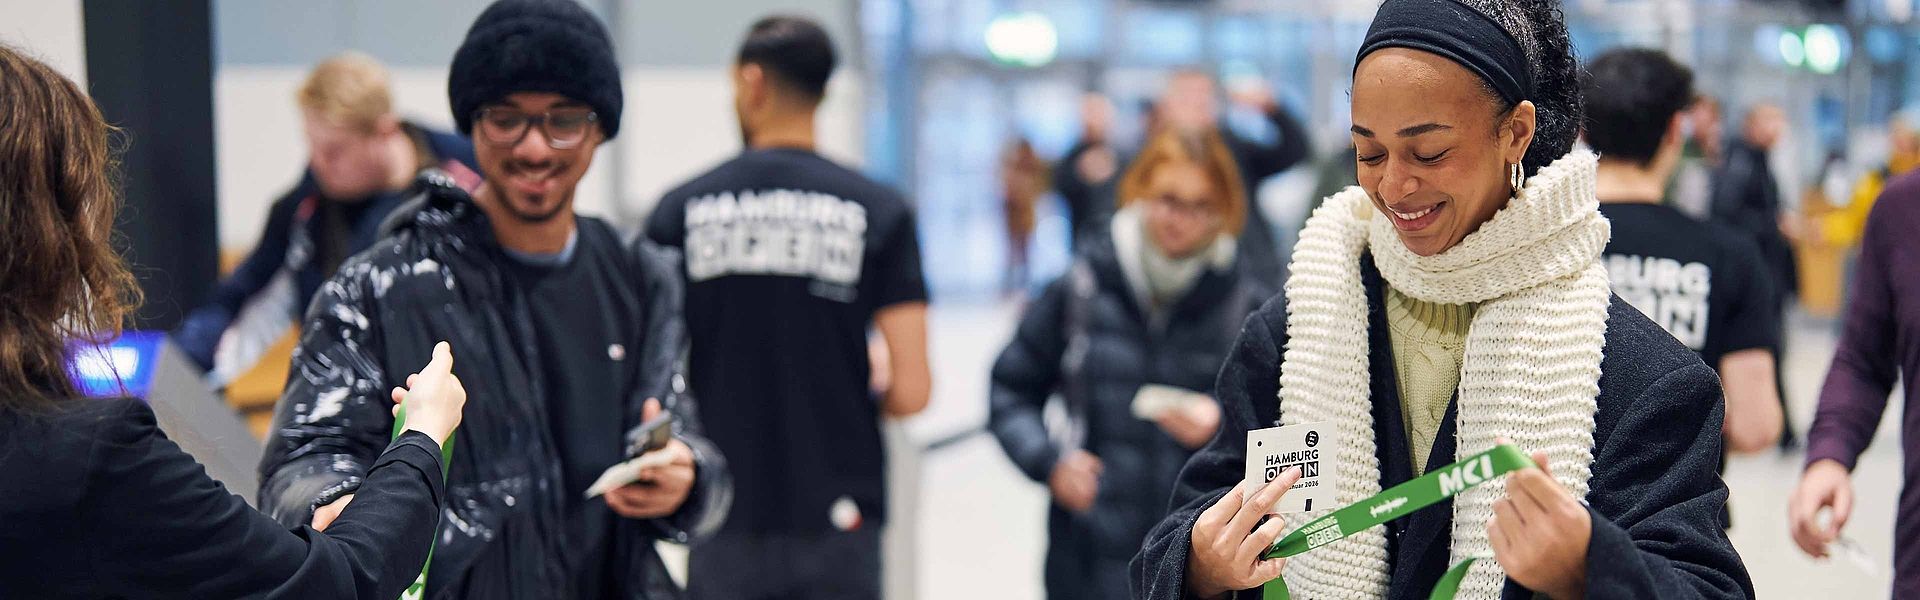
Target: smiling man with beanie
568, 341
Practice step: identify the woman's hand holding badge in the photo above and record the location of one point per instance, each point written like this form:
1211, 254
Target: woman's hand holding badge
1226, 547
1540, 533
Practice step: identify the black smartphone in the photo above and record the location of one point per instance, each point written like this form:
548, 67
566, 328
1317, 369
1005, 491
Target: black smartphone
651, 435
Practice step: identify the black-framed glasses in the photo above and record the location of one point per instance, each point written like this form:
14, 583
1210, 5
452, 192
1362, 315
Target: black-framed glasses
564, 128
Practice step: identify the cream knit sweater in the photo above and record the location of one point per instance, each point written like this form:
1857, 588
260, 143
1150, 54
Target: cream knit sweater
1530, 370
1429, 341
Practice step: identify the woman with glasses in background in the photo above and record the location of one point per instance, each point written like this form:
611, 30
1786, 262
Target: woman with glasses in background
1130, 339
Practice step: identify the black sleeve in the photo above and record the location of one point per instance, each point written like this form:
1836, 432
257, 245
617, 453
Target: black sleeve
664, 350
159, 523
1066, 180
662, 374
1733, 191
897, 266
336, 412
1724, 191
1656, 531
667, 225
1026, 373
1751, 319
200, 331
1248, 392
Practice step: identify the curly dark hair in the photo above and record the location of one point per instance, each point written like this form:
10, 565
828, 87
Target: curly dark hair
1541, 29
64, 282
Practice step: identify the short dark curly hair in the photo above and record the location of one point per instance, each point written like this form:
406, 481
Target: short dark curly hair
1633, 95
794, 50
1541, 29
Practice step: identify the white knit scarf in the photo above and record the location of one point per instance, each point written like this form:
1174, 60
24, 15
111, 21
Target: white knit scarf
1530, 372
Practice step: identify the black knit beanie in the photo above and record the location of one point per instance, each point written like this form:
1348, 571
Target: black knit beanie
535, 46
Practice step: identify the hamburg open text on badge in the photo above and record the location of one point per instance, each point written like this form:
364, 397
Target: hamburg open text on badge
1273, 450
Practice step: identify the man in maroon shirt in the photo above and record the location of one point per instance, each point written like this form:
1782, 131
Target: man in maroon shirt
1879, 346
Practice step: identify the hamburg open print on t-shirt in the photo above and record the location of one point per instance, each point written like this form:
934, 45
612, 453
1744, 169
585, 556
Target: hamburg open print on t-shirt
1672, 293
778, 232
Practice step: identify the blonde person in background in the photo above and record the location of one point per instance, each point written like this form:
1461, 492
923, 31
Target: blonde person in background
1130, 339
361, 159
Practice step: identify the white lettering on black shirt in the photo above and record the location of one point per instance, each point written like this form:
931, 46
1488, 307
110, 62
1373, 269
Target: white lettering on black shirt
776, 232
1672, 293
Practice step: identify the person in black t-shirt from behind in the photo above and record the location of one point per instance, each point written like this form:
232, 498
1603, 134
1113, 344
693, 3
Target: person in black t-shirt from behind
790, 258
1702, 282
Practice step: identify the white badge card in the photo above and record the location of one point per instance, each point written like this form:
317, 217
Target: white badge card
1272, 450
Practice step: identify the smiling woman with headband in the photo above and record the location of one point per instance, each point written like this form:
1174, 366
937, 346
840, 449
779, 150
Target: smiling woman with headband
1450, 304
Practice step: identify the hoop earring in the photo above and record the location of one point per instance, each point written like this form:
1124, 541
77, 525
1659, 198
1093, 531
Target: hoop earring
1517, 177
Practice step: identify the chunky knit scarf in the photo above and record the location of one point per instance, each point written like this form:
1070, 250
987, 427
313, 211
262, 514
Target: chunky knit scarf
1530, 371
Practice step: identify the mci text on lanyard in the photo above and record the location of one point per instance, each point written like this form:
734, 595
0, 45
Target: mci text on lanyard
1395, 502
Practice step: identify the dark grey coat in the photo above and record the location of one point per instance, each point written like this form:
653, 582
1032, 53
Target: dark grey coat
1655, 495
1087, 554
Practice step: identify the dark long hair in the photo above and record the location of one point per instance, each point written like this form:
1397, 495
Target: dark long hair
60, 278
1541, 30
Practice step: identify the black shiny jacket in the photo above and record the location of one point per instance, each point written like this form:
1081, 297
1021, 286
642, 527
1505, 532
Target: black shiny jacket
433, 277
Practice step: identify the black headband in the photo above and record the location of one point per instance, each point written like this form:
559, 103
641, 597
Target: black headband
1458, 32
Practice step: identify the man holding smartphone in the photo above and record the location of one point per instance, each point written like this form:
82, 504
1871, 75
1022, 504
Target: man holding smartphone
566, 339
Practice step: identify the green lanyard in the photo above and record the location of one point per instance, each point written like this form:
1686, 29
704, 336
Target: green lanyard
1399, 501
418, 590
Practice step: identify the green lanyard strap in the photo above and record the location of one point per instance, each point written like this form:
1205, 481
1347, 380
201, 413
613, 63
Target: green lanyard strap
1399, 501
418, 590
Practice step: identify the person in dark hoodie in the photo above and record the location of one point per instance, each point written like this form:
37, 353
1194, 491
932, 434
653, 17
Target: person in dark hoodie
569, 341
1086, 175
1131, 339
1746, 197
98, 502
1451, 302
361, 160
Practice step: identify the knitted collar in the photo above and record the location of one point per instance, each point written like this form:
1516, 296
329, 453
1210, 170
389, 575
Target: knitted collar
1530, 372
1146, 269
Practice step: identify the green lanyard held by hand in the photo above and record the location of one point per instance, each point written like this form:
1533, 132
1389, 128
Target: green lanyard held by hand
1399, 501
418, 590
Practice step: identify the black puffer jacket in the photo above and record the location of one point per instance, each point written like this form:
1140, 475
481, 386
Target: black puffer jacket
435, 277
1087, 554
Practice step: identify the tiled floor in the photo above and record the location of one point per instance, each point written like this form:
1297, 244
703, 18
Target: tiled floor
979, 526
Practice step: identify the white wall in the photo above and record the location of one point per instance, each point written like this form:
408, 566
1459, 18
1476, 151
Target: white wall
680, 122
50, 30
676, 123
